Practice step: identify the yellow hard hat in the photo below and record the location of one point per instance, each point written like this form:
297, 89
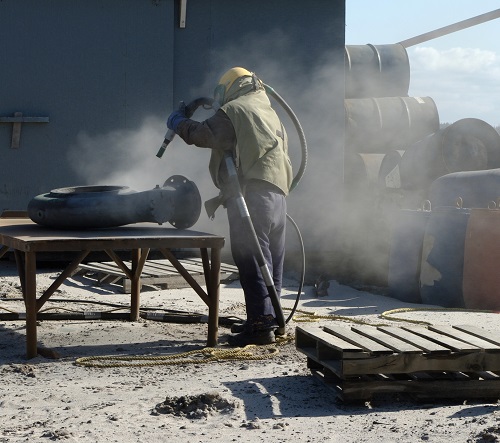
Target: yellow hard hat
231, 75
227, 80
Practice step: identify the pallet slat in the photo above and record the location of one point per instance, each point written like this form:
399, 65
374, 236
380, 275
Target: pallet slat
468, 338
447, 341
362, 341
155, 272
491, 337
387, 340
321, 344
416, 340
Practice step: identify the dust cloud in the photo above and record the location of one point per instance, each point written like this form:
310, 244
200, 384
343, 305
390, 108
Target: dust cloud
341, 207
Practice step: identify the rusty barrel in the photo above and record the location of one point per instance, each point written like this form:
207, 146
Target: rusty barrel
407, 238
481, 280
441, 270
476, 188
376, 71
380, 125
469, 144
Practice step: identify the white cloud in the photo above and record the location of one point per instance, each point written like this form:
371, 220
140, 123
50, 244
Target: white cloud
464, 82
468, 60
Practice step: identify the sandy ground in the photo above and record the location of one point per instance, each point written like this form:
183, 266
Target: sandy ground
274, 399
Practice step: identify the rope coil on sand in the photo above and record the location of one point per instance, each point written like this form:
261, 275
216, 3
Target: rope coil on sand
198, 356
207, 355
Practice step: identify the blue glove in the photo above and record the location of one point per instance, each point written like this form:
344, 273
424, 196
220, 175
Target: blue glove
177, 117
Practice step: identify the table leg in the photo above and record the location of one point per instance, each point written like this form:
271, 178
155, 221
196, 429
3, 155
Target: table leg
21, 271
213, 288
135, 286
30, 303
139, 257
3, 250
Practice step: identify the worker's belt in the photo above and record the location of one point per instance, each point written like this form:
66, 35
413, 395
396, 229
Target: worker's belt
254, 185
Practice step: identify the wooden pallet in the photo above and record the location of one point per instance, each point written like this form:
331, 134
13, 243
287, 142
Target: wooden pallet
155, 272
446, 362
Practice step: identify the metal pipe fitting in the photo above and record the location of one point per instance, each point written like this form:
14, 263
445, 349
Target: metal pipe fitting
178, 202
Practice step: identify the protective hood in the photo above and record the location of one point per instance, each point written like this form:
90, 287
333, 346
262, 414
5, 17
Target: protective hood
241, 86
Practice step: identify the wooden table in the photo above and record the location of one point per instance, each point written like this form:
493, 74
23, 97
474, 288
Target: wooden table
27, 238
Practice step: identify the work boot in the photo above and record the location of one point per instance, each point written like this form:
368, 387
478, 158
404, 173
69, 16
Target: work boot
264, 337
236, 328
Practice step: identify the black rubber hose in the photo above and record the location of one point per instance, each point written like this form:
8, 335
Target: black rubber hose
300, 133
303, 268
191, 108
295, 182
257, 251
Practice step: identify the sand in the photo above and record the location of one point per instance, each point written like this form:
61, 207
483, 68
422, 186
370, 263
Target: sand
275, 399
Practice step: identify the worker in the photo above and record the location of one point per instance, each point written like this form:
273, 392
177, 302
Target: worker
247, 126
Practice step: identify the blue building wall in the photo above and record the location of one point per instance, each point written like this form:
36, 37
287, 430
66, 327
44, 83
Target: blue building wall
98, 69
84, 64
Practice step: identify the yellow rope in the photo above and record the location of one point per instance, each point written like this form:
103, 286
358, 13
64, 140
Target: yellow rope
312, 317
198, 356
389, 314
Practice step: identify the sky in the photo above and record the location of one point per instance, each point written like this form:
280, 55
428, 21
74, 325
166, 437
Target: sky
459, 71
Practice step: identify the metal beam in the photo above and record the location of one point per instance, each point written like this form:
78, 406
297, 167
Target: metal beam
182, 13
451, 28
17, 120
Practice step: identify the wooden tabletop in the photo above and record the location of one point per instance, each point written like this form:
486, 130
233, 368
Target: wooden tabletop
24, 235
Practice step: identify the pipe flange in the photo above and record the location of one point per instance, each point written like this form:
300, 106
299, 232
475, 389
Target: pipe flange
91, 190
187, 201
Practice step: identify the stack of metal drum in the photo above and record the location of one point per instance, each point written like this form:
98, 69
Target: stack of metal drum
444, 239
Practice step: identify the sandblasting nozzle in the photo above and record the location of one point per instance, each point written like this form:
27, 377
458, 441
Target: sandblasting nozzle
169, 136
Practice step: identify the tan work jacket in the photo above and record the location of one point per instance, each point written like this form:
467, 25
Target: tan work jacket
251, 129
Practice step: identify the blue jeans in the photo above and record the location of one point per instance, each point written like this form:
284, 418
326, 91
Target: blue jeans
267, 208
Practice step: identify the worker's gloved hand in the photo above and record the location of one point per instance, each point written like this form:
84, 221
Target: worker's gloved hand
177, 117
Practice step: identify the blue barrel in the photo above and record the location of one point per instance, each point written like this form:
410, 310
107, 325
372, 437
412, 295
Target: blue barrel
407, 237
477, 189
441, 271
